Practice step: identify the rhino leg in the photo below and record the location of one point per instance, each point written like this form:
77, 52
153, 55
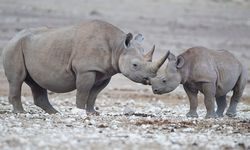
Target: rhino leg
193, 101
84, 84
92, 97
15, 97
237, 93
15, 72
40, 96
231, 111
209, 99
221, 105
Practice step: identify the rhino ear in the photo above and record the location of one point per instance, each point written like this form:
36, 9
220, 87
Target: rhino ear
180, 62
128, 39
139, 38
171, 57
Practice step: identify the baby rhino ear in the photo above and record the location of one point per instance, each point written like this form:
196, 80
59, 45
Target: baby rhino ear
180, 62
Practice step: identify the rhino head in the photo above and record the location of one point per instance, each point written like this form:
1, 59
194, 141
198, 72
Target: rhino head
134, 64
168, 79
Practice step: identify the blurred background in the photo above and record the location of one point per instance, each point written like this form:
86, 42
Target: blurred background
169, 24
174, 25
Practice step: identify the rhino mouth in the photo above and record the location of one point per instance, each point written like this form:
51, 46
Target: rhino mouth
157, 91
160, 91
146, 82
139, 79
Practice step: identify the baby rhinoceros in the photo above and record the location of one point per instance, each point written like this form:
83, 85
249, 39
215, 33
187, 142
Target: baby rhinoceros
213, 73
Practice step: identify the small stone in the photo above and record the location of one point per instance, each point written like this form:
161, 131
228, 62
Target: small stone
144, 126
195, 144
69, 125
92, 122
215, 126
78, 111
102, 126
242, 145
114, 127
128, 111
69, 120
131, 102
188, 130
95, 13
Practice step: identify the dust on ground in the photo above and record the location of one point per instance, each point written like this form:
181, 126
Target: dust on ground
131, 116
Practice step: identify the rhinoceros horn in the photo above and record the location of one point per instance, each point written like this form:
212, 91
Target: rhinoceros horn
156, 65
149, 55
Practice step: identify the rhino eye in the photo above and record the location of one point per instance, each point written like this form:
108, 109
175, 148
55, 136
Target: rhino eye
164, 81
135, 65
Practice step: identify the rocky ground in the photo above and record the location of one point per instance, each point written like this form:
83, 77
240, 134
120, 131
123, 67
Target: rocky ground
130, 119
131, 116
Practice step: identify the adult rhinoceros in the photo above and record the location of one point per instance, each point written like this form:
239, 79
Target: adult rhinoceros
82, 57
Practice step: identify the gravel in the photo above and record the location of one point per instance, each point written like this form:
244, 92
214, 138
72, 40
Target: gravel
132, 124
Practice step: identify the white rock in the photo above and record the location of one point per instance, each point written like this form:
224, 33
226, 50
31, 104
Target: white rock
114, 126
215, 126
188, 130
131, 102
78, 111
128, 111
69, 120
92, 122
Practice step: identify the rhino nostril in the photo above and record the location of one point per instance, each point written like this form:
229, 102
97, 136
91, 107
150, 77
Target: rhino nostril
145, 78
155, 90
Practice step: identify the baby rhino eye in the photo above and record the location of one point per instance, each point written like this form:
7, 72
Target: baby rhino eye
164, 81
135, 65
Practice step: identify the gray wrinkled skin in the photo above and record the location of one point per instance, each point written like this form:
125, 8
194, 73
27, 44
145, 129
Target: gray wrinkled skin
213, 73
82, 57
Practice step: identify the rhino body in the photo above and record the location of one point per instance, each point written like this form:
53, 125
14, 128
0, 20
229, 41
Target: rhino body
214, 73
82, 57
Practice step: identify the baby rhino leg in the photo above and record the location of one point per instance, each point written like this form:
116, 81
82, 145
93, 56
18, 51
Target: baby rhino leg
193, 101
231, 111
221, 105
208, 90
237, 93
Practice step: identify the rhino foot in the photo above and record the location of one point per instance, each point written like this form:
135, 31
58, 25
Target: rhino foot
51, 111
219, 114
92, 113
192, 114
211, 115
231, 114
19, 111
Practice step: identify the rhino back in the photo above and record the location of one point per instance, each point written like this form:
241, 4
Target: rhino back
54, 56
96, 42
198, 66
